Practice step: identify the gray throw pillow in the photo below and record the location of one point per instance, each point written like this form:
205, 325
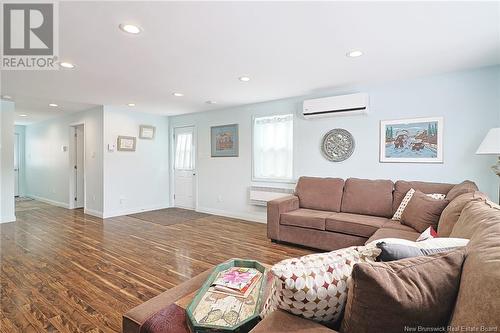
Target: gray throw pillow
391, 252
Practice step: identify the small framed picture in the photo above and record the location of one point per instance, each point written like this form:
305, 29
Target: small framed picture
147, 132
224, 140
126, 143
418, 140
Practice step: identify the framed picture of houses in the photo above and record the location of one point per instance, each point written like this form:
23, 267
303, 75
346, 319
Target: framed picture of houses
418, 140
224, 140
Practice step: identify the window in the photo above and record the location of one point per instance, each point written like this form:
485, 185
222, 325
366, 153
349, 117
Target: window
184, 151
273, 147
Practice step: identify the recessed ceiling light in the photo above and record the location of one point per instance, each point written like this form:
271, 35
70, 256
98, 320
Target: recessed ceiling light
54, 105
178, 94
131, 104
354, 54
67, 65
244, 78
6, 97
130, 28
211, 102
23, 115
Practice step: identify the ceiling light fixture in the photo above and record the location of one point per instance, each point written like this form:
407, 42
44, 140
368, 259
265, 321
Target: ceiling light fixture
354, 54
54, 105
178, 94
67, 65
23, 115
131, 104
130, 28
211, 102
244, 78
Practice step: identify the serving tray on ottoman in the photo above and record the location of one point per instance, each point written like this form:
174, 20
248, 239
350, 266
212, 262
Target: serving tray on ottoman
217, 312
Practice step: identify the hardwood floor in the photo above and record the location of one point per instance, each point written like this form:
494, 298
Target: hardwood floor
64, 271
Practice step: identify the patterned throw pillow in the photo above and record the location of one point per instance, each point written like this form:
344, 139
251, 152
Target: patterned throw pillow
315, 286
406, 200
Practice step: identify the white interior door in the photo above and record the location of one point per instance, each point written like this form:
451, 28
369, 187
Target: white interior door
184, 168
16, 165
79, 166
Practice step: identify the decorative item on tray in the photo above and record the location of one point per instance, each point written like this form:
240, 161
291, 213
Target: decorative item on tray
236, 281
230, 300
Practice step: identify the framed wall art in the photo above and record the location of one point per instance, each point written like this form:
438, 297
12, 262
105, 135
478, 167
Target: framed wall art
126, 143
418, 140
147, 132
224, 140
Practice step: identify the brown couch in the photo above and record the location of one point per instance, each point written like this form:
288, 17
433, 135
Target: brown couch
330, 213
477, 304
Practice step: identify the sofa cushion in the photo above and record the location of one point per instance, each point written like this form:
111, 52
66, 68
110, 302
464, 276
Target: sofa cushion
305, 218
390, 224
423, 212
403, 295
284, 322
464, 187
451, 213
354, 224
393, 233
401, 187
478, 301
320, 193
368, 197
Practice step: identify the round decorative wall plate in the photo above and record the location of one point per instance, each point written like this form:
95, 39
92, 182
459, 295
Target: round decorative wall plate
337, 145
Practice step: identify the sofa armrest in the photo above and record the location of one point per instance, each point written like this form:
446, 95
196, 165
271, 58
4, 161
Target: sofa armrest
277, 207
136, 317
283, 322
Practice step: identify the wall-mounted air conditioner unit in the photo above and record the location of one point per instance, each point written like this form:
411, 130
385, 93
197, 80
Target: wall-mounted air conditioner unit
335, 106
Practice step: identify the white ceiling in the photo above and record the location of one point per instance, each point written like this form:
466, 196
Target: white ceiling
287, 48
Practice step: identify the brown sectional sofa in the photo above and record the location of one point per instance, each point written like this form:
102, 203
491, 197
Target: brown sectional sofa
330, 213
477, 307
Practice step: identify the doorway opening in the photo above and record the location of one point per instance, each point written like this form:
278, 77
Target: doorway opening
77, 167
184, 168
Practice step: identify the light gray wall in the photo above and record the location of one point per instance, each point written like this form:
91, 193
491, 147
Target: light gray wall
7, 210
48, 171
135, 181
469, 101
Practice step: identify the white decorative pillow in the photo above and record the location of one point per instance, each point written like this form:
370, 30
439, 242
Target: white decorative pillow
406, 200
437, 196
315, 286
432, 243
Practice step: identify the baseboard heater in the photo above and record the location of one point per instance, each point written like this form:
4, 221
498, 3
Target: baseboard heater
260, 195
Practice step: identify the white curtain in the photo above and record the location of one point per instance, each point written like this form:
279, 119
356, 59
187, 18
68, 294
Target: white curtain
273, 147
184, 152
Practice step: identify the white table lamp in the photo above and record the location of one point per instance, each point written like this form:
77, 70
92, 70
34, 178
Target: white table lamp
491, 146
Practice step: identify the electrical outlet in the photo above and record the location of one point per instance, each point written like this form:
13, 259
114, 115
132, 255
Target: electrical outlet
219, 198
122, 200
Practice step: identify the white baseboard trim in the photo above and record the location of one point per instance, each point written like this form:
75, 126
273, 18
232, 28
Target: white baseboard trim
7, 219
133, 211
235, 215
49, 201
92, 212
